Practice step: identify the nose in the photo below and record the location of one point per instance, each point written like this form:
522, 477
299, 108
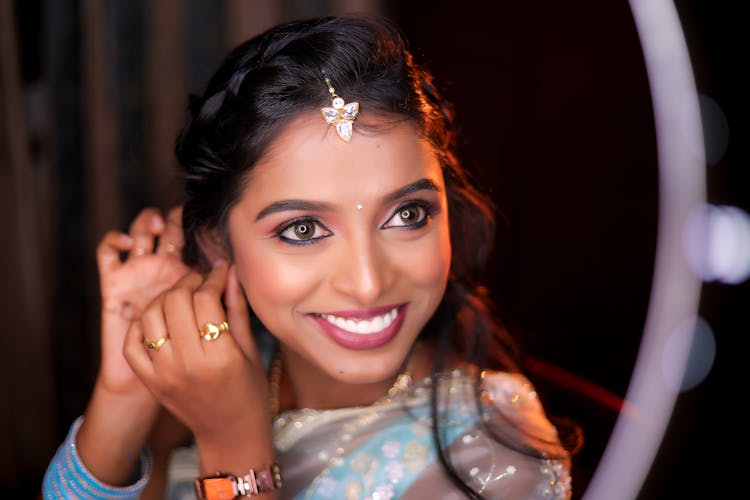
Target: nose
363, 270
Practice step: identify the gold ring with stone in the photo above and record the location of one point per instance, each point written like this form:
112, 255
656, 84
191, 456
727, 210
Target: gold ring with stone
154, 345
211, 331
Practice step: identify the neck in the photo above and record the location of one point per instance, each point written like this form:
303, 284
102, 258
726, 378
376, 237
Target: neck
303, 385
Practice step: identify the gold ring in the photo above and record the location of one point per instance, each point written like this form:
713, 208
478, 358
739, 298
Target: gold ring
154, 345
211, 331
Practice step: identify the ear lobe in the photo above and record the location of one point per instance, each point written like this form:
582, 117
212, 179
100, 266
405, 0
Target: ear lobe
213, 246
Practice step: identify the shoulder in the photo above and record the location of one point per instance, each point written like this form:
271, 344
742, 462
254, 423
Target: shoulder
513, 407
511, 392
512, 449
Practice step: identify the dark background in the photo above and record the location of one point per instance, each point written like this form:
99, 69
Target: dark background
555, 102
555, 112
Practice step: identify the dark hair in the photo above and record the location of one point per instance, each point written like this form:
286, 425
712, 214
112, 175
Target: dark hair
271, 79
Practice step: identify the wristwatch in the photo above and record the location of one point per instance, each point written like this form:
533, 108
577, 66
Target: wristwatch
228, 487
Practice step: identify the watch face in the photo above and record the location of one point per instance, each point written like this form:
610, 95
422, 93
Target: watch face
219, 488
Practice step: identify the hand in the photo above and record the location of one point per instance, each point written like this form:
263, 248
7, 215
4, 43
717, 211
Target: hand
129, 285
122, 411
216, 388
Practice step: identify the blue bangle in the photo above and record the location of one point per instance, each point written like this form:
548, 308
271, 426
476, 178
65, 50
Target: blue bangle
67, 476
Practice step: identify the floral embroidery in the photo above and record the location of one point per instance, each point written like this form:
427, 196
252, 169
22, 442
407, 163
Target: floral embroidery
415, 457
327, 487
382, 492
391, 448
353, 491
385, 466
363, 463
394, 471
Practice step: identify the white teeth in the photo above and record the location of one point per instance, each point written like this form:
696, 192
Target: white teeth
363, 326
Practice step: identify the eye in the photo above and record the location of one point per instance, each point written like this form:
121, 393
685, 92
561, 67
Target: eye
411, 215
302, 232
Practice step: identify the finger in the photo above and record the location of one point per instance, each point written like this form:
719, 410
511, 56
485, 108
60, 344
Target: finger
238, 316
172, 240
147, 224
136, 354
207, 301
108, 251
180, 319
155, 333
128, 311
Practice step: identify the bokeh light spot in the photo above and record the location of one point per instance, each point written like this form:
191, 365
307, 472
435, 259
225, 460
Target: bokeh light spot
692, 341
717, 244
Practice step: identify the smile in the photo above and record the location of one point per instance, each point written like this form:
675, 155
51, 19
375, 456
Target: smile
362, 328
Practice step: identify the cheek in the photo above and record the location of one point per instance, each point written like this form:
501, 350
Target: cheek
272, 279
429, 264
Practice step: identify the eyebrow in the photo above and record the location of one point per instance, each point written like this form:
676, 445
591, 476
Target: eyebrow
287, 205
318, 206
420, 185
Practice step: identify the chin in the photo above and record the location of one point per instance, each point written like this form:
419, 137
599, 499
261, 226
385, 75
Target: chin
365, 368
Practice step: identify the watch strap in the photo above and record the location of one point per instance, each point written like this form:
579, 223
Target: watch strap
227, 486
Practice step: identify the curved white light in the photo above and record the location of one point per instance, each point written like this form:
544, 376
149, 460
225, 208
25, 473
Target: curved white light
675, 290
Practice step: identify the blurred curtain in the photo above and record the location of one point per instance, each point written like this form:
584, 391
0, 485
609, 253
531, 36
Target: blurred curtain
92, 94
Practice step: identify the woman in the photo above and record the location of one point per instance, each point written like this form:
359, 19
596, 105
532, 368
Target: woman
324, 337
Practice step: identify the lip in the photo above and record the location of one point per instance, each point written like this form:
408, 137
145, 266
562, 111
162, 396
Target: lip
357, 340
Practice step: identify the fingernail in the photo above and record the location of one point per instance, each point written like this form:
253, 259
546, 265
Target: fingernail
157, 223
126, 239
219, 263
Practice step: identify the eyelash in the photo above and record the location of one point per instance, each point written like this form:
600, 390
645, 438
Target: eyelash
426, 208
290, 224
423, 206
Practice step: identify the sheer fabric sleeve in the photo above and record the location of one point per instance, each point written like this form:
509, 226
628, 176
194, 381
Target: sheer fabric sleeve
512, 451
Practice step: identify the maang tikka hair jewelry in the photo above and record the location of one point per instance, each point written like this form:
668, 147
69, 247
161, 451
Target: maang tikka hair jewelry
341, 114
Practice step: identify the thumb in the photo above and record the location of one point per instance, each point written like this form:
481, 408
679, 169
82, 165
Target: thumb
238, 316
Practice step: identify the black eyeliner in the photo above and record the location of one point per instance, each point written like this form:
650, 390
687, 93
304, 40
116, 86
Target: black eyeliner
278, 230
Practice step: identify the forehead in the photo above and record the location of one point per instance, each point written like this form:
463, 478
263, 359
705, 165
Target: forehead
307, 156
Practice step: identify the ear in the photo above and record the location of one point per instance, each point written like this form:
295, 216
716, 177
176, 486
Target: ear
214, 246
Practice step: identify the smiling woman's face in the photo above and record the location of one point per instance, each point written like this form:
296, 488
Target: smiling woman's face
343, 250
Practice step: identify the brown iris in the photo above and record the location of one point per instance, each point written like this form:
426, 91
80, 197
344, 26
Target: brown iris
409, 215
303, 230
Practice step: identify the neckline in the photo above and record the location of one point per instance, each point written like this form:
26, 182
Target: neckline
401, 385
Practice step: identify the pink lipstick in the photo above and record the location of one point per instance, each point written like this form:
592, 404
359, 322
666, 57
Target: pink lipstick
362, 328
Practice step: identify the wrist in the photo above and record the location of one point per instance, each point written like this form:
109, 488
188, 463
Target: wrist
68, 475
233, 457
129, 393
230, 446
113, 433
